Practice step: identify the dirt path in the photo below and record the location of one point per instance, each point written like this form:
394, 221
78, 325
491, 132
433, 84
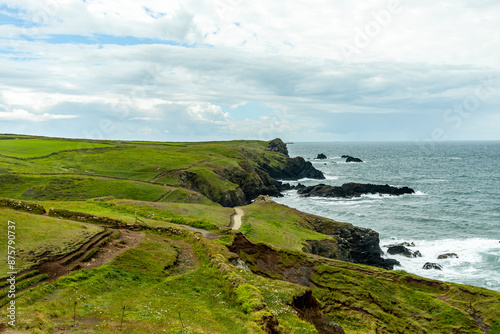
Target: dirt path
236, 218
207, 234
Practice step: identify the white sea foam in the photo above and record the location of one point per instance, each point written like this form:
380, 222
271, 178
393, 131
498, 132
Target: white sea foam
477, 260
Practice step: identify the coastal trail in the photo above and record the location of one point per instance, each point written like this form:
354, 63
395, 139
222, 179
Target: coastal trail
236, 218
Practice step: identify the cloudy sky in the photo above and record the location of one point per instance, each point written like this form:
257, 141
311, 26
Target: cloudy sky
228, 69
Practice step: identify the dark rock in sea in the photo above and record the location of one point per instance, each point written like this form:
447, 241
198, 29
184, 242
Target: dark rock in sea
349, 190
447, 256
345, 156
405, 243
277, 145
430, 265
402, 250
299, 186
351, 159
321, 156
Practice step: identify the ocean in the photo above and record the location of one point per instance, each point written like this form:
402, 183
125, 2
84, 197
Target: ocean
456, 207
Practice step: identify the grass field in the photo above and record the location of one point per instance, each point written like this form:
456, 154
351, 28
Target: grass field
195, 301
40, 237
67, 187
153, 213
277, 225
30, 148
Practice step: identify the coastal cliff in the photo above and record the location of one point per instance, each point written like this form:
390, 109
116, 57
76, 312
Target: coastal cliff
256, 172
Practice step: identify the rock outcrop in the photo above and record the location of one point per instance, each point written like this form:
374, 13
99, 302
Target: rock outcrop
294, 169
447, 256
429, 265
277, 145
353, 244
255, 175
321, 156
402, 250
352, 159
349, 190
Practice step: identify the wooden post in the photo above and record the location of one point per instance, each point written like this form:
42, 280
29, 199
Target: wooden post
181, 320
74, 314
123, 313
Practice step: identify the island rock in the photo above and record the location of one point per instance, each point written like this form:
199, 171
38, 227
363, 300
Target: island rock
351, 159
349, 190
321, 156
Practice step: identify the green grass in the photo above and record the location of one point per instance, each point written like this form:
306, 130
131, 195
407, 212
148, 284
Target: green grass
153, 213
277, 225
29, 148
365, 299
141, 161
37, 235
137, 280
71, 188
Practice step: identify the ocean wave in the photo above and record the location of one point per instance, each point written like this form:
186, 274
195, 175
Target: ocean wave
478, 260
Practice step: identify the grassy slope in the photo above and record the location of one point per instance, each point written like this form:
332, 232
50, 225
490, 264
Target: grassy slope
277, 225
37, 235
154, 296
29, 148
362, 299
366, 300
161, 163
152, 213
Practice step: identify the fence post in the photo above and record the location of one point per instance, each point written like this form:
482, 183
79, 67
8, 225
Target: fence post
181, 320
123, 313
74, 314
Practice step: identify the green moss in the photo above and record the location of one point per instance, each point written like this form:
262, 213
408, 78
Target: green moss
249, 298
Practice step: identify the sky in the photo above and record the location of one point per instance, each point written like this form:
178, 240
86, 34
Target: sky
195, 70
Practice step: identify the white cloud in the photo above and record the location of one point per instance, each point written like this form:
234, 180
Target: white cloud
426, 57
23, 115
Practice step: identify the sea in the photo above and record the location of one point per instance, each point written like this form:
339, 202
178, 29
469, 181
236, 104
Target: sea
455, 208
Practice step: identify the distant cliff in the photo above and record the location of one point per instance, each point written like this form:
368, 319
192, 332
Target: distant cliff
255, 170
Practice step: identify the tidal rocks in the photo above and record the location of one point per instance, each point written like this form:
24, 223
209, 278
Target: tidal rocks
430, 265
402, 250
352, 159
349, 190
321, 156
447, 256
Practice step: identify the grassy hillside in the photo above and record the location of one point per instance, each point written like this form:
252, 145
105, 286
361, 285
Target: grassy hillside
123, 243
40, 238
52, 168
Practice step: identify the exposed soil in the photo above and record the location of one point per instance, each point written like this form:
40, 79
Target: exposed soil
107, 250
99, 250
186, 259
